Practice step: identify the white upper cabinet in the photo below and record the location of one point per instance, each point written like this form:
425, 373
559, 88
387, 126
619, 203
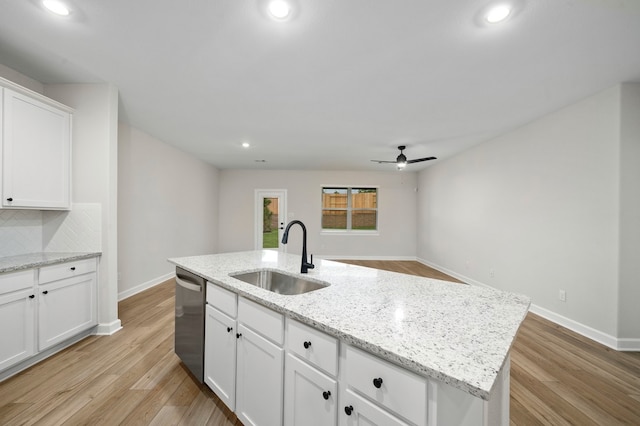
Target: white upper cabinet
36, 153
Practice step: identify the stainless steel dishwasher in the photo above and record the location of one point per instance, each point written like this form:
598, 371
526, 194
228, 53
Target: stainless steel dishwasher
189, 328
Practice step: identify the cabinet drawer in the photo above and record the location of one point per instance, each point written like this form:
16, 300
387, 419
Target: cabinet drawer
355, 411
224, 300
399, 390
14, 281
66, 270
314, 346
268, 323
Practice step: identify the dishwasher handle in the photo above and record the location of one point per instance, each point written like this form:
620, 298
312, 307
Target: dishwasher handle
188, 285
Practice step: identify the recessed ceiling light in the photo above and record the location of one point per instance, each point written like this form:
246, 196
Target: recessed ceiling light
279, 9
498, 14
56, 7
246, 144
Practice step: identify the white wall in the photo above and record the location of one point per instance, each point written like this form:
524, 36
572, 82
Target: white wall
536, 211
167, 207
396, 211
94, 177
629, 314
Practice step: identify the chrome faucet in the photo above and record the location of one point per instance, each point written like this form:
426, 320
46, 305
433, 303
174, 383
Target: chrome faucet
304, 268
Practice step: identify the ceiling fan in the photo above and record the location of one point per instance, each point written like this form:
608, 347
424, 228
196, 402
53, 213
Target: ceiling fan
401, 160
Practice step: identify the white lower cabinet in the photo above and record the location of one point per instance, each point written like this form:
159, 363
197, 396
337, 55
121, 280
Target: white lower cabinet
42, 308
357, 411
66, 301
310, 397
244, 358
17, 313
389, 386
65, 308
259, 380
220, 355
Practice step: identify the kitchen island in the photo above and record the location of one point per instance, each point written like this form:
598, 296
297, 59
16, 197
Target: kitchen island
455, 335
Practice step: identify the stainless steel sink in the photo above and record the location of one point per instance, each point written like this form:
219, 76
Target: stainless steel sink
278, 282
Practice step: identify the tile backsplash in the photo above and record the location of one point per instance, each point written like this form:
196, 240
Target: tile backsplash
30, 231
20, 232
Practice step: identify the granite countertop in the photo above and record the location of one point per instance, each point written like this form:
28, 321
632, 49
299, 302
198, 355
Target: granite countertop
455, 333
36, 260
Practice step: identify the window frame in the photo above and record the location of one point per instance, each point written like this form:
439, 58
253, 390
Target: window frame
349, 211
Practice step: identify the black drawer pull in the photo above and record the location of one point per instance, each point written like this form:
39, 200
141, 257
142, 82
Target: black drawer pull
32, 296
73, 268
348, 410
9, 199
238, 335
326, 395
307, 345
377, 382
229, 329
45, 292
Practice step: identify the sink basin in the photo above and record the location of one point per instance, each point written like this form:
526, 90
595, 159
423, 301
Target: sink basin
278, 282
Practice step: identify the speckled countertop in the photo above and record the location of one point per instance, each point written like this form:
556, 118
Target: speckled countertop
36, 260
455, 333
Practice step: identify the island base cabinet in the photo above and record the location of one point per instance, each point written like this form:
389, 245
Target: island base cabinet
357, 411
65, 308
310, 397
220, 355
451, 406
259, 380
17, 334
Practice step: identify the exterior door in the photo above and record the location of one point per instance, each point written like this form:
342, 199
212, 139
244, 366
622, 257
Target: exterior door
270, 218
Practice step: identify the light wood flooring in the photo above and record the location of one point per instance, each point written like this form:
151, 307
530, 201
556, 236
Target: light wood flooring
134, 378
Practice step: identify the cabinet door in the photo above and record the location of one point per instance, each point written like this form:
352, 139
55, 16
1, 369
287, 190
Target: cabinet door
220, 355
36, 154
259, 380
310, 396
17, 328
357, 411
65, 308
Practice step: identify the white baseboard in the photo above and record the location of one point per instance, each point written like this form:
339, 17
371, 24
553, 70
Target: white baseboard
107, 329
619, 344
342, 257
144, 286
630, 345
453, 274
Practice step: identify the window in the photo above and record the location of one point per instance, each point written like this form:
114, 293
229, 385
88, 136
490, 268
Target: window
349, 209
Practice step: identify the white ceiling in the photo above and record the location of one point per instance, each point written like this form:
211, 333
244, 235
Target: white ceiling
339, 84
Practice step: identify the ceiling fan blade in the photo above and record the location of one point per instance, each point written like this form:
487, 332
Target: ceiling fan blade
382, 161
419, 160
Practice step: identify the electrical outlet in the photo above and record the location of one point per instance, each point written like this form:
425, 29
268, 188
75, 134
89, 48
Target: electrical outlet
562, 295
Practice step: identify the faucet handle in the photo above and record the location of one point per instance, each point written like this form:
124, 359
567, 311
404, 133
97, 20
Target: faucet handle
310, 265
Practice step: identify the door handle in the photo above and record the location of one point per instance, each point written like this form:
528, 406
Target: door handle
187, 285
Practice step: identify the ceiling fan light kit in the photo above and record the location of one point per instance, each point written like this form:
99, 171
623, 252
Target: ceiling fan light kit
401, 160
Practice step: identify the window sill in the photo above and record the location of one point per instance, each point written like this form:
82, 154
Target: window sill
350, 233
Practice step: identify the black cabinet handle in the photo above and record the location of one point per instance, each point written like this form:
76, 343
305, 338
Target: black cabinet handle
377, 382
326, 395
32, 296
307, 345
45, 292
229, 329
9, 199
238, 335
73, 268
348, 410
